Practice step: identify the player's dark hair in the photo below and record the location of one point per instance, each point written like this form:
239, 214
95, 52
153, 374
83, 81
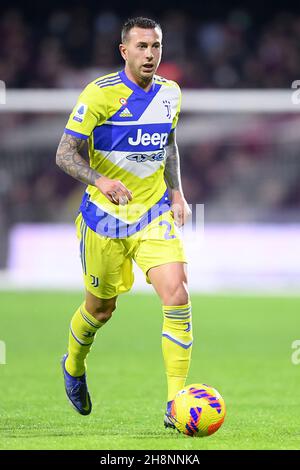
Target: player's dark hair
138, 22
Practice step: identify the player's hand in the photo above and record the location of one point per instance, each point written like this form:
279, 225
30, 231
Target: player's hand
114, 190
179, 208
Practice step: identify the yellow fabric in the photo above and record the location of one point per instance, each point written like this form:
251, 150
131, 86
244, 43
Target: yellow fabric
145, 191
177, 339
145, 180
107, 262
101, 103
175, 120
83, 329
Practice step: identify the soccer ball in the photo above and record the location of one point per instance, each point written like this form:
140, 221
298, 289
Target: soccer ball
198, 410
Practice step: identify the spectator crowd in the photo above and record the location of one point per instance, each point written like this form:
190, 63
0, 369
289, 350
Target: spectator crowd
69, 47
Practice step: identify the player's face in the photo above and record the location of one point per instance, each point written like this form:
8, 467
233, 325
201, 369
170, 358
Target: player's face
142, 52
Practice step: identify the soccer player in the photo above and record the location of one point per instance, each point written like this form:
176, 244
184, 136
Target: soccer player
127, 213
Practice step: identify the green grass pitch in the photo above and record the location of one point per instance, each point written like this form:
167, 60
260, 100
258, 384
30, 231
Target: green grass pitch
242, 346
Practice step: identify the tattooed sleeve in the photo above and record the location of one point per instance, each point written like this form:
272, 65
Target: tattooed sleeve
72, 163
172, 167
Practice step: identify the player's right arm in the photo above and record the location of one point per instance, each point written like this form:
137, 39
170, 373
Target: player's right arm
71, 162
68, 158
90, 111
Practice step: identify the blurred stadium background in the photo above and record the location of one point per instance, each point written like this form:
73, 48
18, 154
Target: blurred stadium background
238, 135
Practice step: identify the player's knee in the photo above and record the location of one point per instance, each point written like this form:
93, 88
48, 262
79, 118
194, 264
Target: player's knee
105, 312
103, 317
176, 294
102, 310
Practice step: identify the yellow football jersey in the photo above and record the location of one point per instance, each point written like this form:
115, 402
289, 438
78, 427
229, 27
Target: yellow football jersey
127, 130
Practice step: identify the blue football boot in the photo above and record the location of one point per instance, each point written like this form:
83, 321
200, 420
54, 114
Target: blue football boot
77, 391
168, 420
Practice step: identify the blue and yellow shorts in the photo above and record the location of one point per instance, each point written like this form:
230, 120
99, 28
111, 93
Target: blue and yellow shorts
107, 262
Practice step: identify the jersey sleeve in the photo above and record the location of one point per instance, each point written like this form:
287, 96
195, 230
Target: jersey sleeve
176, 117
89, 111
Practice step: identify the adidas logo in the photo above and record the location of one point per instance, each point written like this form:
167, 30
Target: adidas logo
125, 113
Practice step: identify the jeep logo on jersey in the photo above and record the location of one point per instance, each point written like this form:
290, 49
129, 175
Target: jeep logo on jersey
142, 157
147, 139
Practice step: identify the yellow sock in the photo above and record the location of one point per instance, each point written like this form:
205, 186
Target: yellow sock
177, 340
83, 329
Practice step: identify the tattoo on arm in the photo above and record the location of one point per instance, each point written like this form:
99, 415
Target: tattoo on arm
172, 167
72, 163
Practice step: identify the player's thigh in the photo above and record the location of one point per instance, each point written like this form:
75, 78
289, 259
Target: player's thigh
161, 244
107, 270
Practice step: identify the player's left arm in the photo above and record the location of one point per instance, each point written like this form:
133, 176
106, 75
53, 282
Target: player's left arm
179, 206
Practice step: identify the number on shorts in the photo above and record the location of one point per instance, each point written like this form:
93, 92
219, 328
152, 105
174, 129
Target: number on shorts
168, 230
